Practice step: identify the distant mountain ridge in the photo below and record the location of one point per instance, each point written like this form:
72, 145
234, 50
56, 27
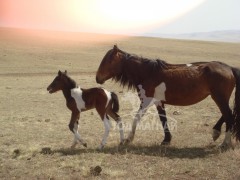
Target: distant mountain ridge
223, 36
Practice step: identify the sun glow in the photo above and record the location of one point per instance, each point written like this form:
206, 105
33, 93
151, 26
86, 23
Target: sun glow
101, 16
129, 16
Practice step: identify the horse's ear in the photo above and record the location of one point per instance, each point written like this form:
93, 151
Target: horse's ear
115, 49
65, 72
59, 73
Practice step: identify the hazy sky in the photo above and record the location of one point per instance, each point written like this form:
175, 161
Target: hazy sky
213, 15
121, 17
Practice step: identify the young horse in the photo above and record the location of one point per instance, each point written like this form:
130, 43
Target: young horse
78, 100
182, 84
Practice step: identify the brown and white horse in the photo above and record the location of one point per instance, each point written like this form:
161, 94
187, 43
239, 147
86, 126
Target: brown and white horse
175, 84
79, 100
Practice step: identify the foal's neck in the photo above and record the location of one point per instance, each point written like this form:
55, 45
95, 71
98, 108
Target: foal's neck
67, 92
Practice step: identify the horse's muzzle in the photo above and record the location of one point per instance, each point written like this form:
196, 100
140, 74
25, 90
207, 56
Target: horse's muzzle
99, 81
49, 90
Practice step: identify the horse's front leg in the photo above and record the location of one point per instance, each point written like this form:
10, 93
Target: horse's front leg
73, 126
163, 118
138, 116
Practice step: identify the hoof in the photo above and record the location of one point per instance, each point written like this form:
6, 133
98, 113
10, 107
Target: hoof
225, 147
167, 139
215, 134
126, 141
100, 148
165, 143
73, 146
121, 143
84, 144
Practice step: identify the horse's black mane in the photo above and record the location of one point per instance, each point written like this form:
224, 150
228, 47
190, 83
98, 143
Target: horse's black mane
154, 65
151, 64
149, 67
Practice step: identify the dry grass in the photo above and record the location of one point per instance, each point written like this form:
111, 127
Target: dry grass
34, 135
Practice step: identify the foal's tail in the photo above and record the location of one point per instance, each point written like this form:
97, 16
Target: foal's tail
236, 109
115, 105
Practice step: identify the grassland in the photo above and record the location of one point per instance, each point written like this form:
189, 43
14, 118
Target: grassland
34, 136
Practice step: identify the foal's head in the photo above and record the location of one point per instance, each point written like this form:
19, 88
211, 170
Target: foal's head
110, 66
61, 82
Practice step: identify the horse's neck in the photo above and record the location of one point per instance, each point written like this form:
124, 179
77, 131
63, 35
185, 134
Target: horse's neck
134, 69
67, 90
67, 94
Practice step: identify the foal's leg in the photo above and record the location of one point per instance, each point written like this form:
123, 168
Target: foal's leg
73, 126
117, 118
163, 118
102, 112
217, 129
107, 126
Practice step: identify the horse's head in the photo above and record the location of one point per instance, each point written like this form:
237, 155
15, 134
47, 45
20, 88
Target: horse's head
58, 82
110, 66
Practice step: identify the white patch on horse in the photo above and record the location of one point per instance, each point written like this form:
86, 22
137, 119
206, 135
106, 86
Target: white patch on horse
76, 93
159, 96
189, 65
108, 94
159, 93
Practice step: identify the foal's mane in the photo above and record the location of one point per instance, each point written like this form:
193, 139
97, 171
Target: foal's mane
148, 66
72, 83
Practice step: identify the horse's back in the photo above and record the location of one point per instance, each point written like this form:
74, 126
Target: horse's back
189, 85
96, 95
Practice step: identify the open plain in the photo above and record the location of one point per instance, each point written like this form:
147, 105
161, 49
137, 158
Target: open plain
34, 136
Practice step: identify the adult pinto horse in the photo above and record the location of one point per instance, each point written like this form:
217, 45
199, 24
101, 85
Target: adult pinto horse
176, 84
79, 100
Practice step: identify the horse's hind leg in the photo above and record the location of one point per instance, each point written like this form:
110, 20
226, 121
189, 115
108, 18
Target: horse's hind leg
163, 118
217, 129
118, 120
228, 117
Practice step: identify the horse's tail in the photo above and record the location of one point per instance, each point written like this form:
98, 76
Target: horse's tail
115, 105
236, 109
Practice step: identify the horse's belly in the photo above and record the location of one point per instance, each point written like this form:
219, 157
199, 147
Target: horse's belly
185, 99
181, 94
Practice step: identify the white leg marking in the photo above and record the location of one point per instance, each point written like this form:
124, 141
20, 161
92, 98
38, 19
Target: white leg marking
75, 140
227, 140
136, 120
77, 136
120, 126
106, 133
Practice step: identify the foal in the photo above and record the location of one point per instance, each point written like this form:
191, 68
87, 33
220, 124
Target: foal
78, 100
